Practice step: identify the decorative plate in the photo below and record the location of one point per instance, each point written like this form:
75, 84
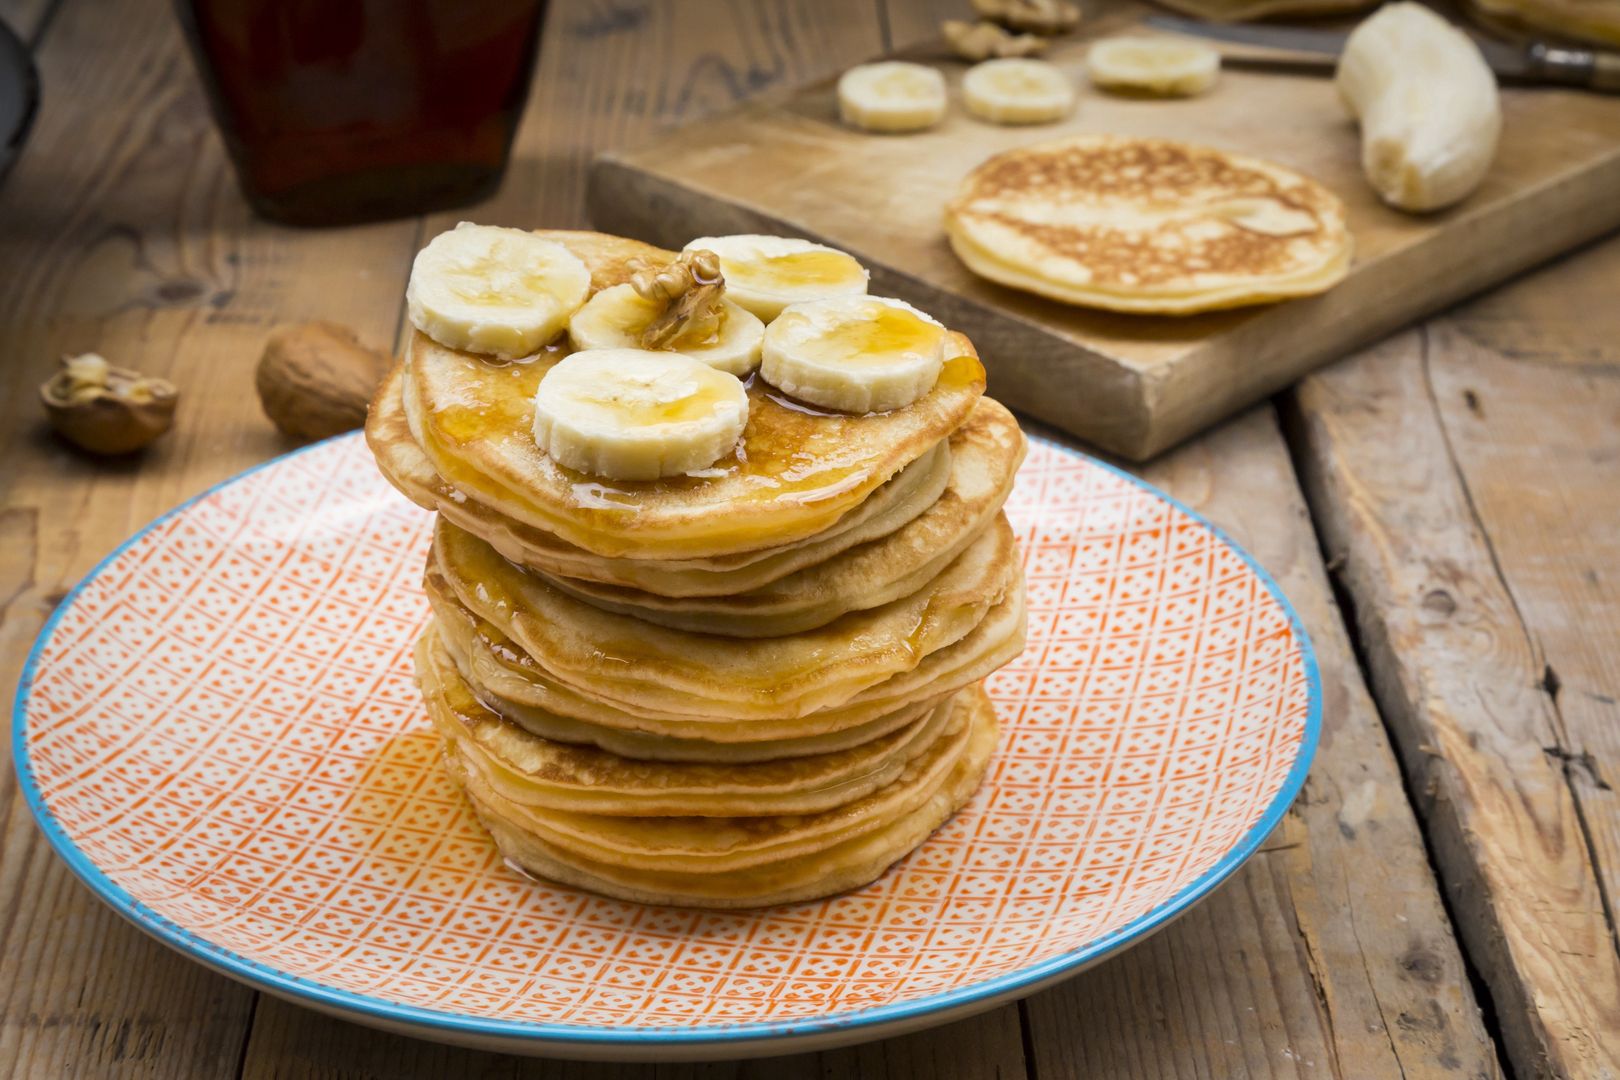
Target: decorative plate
219, 732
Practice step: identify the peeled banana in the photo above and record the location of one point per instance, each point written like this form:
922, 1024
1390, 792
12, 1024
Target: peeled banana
891, 96
854, 354
764, 274
1017, 91
502, 292
1168, 67
615, 318
631, 414
1427, 105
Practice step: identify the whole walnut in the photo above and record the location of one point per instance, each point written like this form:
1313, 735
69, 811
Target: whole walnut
316, 380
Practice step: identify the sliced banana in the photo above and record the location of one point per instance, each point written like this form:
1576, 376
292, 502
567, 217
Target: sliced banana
615, 317
767, 273
1017, 91
891, 96
1168, 67
631, 414
503, 292
854, 354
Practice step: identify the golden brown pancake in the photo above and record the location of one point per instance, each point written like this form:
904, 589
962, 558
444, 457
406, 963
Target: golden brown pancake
1147, 225
910, 492
665, 863
985, 455
638, 667
536, 772
488, 662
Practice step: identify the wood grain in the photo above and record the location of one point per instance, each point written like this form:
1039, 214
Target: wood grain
125, 234
1330, 952
1149, 382
1478, 547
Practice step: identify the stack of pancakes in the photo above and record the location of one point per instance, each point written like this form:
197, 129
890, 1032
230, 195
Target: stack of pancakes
752, 684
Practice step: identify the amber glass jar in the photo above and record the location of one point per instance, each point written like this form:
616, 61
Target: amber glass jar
340, 111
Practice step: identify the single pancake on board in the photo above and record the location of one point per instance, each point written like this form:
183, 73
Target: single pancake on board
1147, 225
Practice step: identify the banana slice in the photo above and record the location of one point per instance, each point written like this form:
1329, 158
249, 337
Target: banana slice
891, 96
1168, 67
504, 292
767, 273
854, 354
1017, 91
615, 317
631, 414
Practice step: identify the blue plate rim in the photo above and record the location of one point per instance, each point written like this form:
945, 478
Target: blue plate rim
430, 1021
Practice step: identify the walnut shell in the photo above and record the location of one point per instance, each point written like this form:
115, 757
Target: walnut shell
106, 409
316, 379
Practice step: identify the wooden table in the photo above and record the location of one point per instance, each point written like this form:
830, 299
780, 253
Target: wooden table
1443, 509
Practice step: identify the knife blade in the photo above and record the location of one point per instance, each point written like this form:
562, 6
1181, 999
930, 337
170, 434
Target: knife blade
1306, 48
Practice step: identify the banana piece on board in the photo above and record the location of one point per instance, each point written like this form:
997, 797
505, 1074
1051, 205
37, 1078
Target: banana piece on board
1427, 105
891, 96
1166, 67
1017, 91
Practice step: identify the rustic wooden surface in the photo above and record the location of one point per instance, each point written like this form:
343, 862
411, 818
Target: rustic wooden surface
1482, 548
1330, 954
788, 166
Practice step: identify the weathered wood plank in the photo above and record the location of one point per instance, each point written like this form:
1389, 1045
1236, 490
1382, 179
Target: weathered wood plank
1465, 473
1330, 953
125, 234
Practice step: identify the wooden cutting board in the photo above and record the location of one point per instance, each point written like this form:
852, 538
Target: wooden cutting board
1133, 385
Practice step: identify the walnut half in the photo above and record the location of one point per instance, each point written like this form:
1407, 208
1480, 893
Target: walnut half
986, 40
689, 291
1036, 16
106, 409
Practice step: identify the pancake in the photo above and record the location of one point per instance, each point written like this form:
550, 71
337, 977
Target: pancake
910, 492
535, 772
795, 471
488, 663
502, 675
637, 666
1147, 225
985, 453
820, 859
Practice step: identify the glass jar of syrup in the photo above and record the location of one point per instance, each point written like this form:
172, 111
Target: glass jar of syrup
342, 111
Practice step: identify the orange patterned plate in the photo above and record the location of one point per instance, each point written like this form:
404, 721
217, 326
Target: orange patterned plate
219, 732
